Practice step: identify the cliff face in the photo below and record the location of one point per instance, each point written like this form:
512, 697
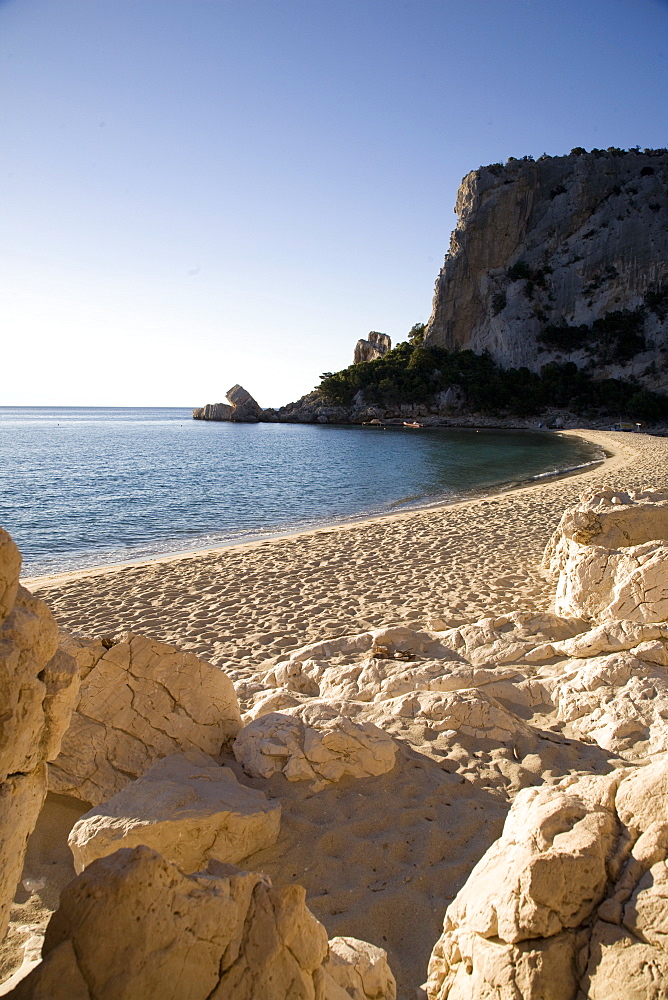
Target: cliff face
375, 346
561, 259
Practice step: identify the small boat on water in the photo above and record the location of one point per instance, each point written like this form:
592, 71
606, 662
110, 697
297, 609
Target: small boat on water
413, 423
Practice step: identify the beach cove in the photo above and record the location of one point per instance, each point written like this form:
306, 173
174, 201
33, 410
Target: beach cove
380, 859
240, 605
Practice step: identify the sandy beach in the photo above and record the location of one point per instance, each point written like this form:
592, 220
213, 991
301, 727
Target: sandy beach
240, 605
380, 858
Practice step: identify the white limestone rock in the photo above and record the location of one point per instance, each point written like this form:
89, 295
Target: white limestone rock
510, 926
610, 557
611, 637
393, 641
571, 900
133, 926
313, 742
509, 638
274, 700
588, 231
384, 663
619, 700
21, 800
142, 700
213, 411
375, 346
187, 808
10, 569
360, 971
467, 712
38, 687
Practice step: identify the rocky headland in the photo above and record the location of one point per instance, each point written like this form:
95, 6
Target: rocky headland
556, 281
429, 758
564, 258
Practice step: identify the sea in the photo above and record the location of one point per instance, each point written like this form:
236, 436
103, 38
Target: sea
83, 487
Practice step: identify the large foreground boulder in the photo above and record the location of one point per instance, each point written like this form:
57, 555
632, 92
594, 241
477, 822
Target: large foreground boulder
133, 926
571, 897
610, 557
186, 807
140, 700
38, 688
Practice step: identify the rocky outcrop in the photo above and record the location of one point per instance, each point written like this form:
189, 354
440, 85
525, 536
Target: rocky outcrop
213, 411
38, 688
570, 898
610, 557
313, 742
360, 971
240, 408
244, 408
140, 700
185, 937
564, 258
187, 808
597, 672
375, 346
133, 925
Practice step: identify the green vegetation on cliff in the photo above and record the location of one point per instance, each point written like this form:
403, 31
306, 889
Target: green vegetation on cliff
413, 373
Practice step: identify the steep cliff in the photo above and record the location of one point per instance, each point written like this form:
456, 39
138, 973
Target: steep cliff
565, 259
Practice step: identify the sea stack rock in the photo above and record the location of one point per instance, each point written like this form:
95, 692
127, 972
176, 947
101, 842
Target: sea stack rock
213, 411
244, 408
565, 259
375, 346
240, 407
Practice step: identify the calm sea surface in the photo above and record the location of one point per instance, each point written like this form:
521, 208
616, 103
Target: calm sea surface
83, 487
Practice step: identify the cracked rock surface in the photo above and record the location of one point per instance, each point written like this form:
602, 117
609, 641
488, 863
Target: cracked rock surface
140, 700
133, 925
357, 970
38, 687
313, 741
570, 901
610, 557
186, 807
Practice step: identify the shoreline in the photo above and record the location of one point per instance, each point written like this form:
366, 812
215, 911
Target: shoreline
53, 579
241, 605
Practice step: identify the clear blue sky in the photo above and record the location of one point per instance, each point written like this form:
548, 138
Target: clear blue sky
202, 192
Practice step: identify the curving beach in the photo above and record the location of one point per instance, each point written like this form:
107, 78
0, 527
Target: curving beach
379, 859
241, 605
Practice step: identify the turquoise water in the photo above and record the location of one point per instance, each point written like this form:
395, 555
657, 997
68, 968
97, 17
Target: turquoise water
85, 487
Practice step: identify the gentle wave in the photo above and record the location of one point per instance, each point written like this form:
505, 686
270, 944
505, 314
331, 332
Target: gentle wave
567, 470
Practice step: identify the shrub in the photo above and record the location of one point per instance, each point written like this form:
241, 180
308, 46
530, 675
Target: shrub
519, 271
620, 334
617, 336
411, 374
499, 302
562, 337
656, 301
416, 334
